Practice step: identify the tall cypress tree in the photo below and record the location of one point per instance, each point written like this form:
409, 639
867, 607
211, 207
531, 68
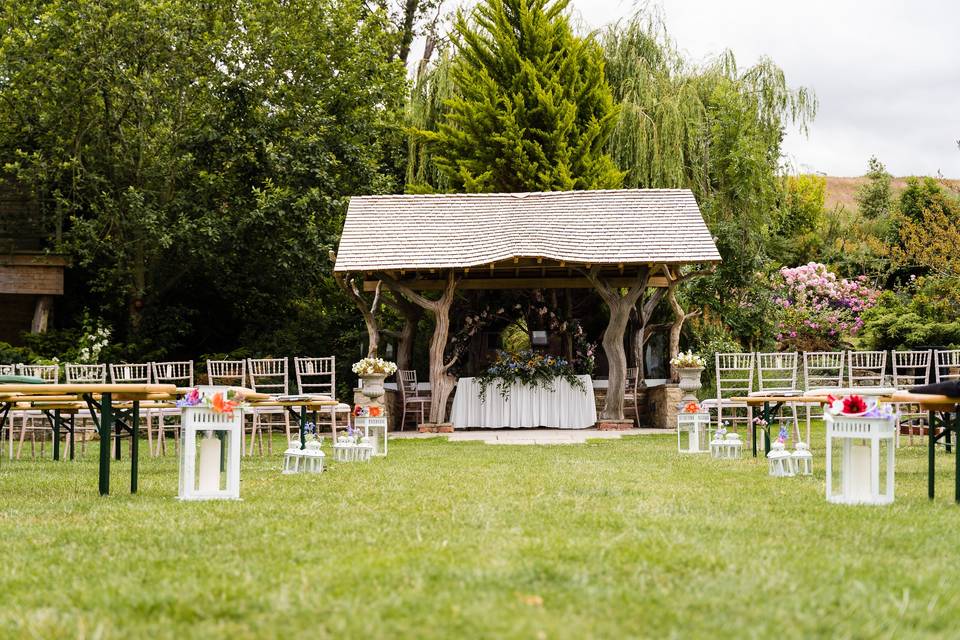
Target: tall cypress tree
533, 111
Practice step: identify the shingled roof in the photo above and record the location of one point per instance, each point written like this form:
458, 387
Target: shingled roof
623, 226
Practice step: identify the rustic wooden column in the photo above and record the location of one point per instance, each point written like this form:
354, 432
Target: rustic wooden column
620, 305
441, 382
349, 287
41, 314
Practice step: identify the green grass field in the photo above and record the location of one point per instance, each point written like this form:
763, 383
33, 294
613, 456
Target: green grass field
606, 540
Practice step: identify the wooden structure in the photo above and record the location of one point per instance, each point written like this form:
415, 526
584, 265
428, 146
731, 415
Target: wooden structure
29, 277
618, 243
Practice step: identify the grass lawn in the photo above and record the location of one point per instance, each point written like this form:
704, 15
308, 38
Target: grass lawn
609, 539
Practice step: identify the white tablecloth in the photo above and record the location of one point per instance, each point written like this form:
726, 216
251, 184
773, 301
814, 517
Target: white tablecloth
565, 407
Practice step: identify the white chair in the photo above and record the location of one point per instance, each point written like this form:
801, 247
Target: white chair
734, 377
8, 369
86, 373
821, 370
777, 372
911, 369
947, 365
866, 368
126, 373
49, 373
411, 396
268, 375
227, 373
180, 373
318, 376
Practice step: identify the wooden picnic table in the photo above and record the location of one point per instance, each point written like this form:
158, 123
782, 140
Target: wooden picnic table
943, 420
116, 408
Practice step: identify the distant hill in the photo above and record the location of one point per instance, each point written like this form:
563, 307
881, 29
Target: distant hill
844, 190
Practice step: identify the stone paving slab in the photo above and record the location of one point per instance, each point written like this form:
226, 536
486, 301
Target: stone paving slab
531, 436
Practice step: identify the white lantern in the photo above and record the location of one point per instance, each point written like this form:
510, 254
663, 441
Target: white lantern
863, 479
376, 430
692, 434
210, 449
803, 460
780, 460
726, 446
313, 457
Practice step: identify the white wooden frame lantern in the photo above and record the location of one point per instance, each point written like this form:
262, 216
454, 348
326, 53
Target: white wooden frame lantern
726, 446
696, 427
376, 430
802, 460
862, 475
309, 459
210, 448
780, 461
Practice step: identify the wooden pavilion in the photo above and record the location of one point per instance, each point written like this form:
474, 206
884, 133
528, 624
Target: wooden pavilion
631, 246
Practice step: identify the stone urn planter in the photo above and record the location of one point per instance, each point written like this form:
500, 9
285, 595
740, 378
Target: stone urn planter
689, 383
372, 386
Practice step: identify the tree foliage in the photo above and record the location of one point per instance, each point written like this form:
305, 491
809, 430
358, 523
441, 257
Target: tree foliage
532, 110
198, 155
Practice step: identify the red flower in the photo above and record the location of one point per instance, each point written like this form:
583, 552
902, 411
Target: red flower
691, 407
854, 404
374, 411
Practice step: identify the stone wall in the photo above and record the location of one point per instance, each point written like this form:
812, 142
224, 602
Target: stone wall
662, 404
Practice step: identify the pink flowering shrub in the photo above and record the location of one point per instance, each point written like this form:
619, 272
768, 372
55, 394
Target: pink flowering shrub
819, 311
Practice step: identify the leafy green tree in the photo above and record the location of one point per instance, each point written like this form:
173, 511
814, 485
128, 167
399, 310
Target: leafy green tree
874, 197
200, 155
532, 111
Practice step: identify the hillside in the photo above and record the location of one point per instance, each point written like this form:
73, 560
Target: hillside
843, 190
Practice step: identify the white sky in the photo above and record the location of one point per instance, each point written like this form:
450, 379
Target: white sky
886, 73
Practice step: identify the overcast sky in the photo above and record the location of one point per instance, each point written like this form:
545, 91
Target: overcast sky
886, 73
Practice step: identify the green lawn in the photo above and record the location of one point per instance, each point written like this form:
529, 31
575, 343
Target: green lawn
609, 539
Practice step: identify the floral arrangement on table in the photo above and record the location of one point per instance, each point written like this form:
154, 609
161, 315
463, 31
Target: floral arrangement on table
856, 406
529, 368
374, 367
817, 310
220, 402
688, 360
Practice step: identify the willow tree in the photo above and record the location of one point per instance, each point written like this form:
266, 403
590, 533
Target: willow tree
713, 128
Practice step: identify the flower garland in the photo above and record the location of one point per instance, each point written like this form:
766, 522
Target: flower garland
529, 368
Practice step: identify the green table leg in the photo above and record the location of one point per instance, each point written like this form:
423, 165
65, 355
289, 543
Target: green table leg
106, 432
931, 427
134, 445
73, 439
56, 434
303, 427
118, 431
955, 417
947, 427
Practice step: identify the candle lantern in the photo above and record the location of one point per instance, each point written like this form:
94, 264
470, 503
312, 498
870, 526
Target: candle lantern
376, 429
802, 460
780, 461
210, 447
866, 447
692, 436
726, 446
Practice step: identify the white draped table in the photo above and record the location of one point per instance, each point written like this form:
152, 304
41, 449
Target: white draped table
563, 407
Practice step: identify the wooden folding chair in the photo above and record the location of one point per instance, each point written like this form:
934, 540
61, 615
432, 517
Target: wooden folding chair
866, 368
180, 373
911, 369
319, 376
412, 396
777, 372
268, 375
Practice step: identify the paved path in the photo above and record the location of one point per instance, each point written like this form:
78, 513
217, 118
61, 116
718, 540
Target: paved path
531, 436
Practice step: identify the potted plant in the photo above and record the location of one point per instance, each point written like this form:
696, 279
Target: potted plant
372, 372
689, 366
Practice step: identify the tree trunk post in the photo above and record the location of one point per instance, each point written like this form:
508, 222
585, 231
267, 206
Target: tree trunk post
441, 382
619, 306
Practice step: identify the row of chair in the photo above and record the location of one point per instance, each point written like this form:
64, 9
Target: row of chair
263, 375
739, 374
